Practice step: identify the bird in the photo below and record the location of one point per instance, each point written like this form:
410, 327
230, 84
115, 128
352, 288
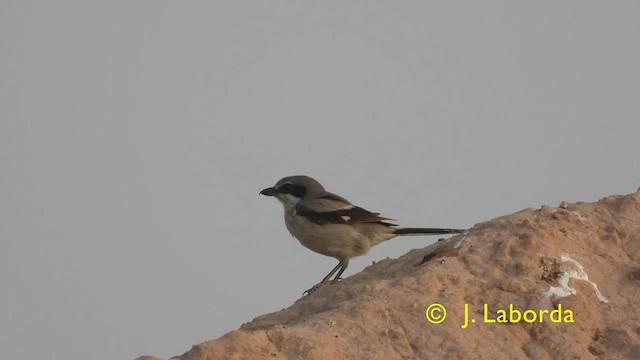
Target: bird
331, 225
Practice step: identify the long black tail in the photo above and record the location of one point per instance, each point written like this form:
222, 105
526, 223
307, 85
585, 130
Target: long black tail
426, 231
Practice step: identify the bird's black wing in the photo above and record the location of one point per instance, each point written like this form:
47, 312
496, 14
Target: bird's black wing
350, 216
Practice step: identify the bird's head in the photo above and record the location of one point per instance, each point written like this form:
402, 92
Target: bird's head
291, 189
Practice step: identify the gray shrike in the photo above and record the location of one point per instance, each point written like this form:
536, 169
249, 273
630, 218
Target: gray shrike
330, 225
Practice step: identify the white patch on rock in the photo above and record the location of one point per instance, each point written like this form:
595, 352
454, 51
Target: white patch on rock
580, 217
459, 242
563, 279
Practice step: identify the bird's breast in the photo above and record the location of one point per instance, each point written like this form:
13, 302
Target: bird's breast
336, 240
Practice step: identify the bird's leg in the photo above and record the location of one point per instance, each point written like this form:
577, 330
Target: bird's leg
342, 269
342, 265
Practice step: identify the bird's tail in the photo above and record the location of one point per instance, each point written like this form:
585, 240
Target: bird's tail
426, 231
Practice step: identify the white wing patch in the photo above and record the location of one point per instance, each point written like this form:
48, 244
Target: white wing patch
346, 218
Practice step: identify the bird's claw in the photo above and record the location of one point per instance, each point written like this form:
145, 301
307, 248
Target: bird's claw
320, 284
312, 290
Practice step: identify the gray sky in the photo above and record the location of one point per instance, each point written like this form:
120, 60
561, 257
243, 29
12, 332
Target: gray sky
135, 137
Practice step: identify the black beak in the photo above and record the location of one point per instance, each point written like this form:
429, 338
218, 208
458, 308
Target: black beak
269, 191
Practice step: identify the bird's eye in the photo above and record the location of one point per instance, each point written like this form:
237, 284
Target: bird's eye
295, 190
286, 188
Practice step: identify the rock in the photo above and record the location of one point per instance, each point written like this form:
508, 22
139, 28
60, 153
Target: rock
580, 260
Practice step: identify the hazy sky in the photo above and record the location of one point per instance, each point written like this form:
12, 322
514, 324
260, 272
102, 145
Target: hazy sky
136, 135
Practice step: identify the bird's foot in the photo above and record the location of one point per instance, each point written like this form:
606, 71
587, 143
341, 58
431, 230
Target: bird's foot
320, 284
314, 288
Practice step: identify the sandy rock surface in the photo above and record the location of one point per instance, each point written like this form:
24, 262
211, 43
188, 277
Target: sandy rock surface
580, 258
